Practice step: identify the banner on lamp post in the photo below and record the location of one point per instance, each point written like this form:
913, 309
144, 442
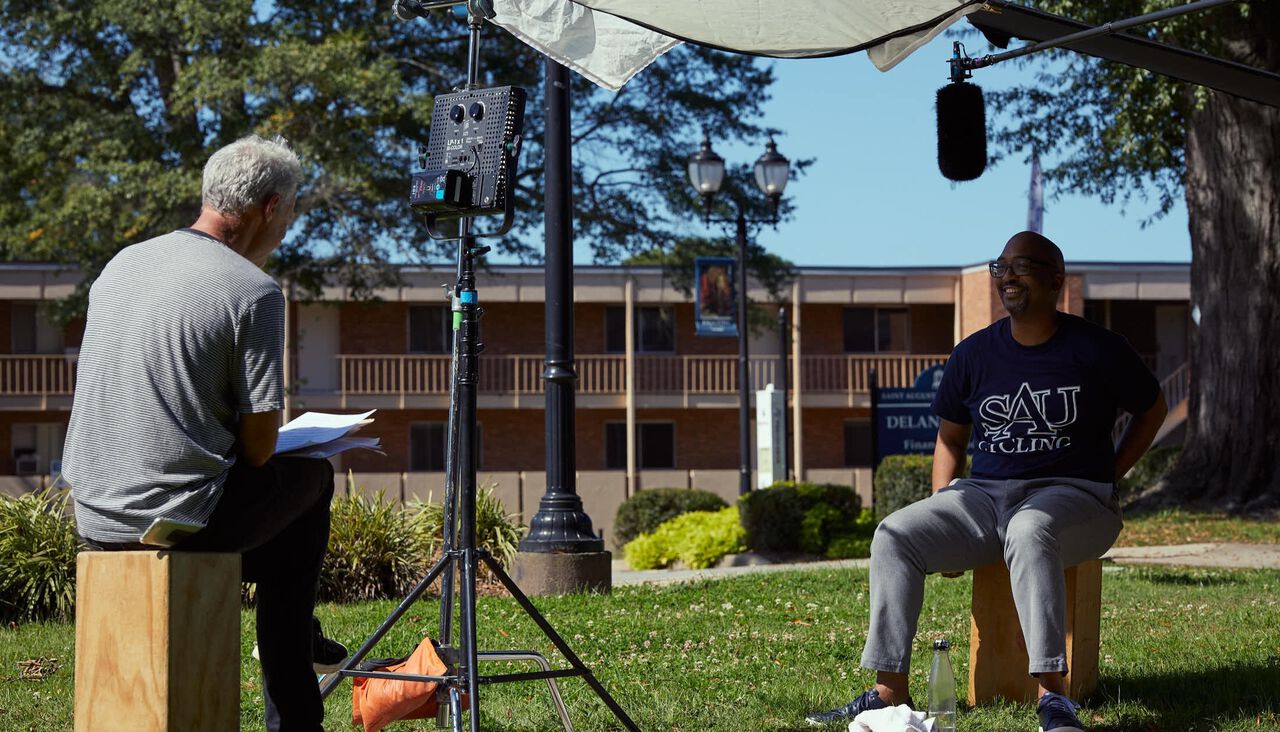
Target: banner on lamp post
715, 296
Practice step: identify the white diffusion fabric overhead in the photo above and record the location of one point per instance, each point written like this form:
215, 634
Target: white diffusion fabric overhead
787, 28
608, 41
605, 49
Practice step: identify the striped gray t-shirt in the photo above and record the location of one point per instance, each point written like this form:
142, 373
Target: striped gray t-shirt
183, 335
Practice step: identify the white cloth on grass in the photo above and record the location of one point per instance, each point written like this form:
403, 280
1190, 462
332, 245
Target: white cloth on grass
892, 719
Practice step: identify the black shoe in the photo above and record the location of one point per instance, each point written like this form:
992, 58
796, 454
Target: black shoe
1058, 714
327, 655
870, 699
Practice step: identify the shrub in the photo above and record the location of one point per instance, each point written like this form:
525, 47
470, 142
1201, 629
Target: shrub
902, 480
374, 552
789, 517
648, 509
38, 547
496, 530
816, 527
698, 538
1150, 469
857, 543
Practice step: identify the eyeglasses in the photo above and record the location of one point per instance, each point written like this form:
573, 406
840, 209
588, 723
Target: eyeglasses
1021, 266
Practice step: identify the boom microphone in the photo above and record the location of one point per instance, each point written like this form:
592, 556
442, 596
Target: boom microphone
962, 131
406, 9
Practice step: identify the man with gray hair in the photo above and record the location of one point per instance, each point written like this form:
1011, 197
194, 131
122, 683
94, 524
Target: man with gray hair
178, 396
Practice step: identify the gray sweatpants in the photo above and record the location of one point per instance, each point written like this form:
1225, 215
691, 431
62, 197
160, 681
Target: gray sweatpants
1038, 527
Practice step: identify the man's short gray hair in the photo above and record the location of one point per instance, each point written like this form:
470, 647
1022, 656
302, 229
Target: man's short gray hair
242, 174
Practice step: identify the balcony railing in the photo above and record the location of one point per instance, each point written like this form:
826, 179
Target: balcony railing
38, 376
607, 374
402, 375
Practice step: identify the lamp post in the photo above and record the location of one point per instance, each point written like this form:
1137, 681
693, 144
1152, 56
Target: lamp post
706, 173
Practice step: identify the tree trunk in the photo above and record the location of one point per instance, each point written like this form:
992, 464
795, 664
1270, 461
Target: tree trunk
1231, 459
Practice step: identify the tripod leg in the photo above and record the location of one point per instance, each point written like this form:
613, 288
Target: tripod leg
559, 643
332, 683
470, 654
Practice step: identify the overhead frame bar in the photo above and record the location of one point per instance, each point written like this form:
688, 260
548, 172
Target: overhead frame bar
1053, 31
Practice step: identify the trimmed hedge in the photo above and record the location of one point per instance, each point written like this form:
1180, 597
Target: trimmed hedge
698, 538
648, 509
857, 544
803, 517
902, 480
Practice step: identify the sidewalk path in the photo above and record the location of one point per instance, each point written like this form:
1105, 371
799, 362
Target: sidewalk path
1233, 556
623, 575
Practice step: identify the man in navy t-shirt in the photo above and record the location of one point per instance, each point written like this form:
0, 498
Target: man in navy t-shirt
1036, 394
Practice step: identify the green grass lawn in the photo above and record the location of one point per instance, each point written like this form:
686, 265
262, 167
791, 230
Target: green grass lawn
1182, 650
1194, 527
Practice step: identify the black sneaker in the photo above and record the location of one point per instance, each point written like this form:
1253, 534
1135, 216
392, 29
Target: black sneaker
327, 655
870, 699
1058, 714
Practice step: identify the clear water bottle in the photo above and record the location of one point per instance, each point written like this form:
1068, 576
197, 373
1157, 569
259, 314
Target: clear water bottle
942, 689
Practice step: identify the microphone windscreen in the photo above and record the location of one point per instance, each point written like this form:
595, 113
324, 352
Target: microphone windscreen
962, 131
402, 12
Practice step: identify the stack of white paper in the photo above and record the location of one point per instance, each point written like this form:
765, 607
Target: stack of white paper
320, 435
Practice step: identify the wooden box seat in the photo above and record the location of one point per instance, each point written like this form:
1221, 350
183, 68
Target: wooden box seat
997, 652
157, 642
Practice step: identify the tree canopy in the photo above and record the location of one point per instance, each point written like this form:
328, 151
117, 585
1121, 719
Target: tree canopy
1111, 131
111, 107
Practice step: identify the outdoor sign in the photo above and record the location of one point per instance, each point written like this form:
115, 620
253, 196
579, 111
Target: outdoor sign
904, 422
715, 300
771, 437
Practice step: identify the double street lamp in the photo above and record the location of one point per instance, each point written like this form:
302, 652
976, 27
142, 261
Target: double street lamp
706, 173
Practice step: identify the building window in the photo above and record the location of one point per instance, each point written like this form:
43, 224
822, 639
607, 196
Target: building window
877, 330
37, 447
31, 331
655, 329
428, 445
430, 329
655, 445
1095, 311
615, 329
857, 443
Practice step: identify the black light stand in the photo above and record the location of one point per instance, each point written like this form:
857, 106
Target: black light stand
460, 555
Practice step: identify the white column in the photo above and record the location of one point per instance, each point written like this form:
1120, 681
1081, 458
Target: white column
630, 329
957, 335
797, 424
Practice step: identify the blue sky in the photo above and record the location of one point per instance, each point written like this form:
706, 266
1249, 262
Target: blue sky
874, 196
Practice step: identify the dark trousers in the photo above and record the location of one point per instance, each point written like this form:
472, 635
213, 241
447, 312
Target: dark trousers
277, 518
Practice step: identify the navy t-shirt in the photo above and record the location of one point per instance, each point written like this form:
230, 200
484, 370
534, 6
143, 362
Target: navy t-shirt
1047, 410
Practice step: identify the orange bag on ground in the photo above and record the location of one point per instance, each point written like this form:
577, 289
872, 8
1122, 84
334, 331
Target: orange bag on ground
375, 703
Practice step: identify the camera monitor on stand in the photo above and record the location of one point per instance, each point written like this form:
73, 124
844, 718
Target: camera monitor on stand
468, 164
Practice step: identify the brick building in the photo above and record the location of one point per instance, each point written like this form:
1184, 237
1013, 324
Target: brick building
679, 390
